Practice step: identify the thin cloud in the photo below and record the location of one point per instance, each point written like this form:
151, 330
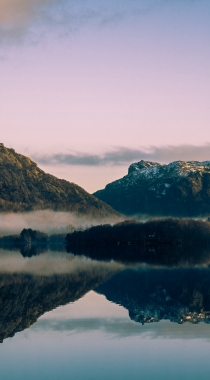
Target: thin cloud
124, 156
31, 18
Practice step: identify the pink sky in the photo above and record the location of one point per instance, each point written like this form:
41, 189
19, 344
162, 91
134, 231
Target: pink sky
122, 74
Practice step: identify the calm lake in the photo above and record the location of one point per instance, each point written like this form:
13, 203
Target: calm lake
70, 317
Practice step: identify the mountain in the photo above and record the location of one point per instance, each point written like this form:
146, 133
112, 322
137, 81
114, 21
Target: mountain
24, 187
177, 189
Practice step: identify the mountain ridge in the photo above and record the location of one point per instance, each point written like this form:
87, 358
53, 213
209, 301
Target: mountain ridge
180, 188
26, 187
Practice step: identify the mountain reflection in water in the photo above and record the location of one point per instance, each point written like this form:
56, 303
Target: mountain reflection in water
30, 287
150, 295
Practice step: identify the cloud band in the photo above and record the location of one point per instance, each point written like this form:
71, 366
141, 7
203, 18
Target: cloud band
124, 156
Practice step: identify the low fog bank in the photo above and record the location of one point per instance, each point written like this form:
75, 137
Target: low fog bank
143, 217
47, 221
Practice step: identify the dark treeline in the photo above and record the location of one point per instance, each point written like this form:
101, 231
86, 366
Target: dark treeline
153, 233
167, 242
27, 236
32, 242
157, 241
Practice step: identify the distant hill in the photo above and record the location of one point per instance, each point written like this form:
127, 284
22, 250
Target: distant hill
180, 189
25, 187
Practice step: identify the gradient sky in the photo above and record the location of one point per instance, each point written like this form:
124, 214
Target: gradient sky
89, 86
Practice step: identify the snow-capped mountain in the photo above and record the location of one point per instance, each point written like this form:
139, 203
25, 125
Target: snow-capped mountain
181, 188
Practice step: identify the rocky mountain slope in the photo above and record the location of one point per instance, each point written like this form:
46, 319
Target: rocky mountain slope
177, 189
24, 187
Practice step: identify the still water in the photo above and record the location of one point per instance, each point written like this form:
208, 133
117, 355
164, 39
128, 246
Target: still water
70, 317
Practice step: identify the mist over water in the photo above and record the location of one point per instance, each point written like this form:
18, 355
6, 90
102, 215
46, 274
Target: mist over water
52, 263
46, 221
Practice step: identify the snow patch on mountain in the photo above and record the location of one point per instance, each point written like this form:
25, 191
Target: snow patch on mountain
148, 171
175, 169
181, 188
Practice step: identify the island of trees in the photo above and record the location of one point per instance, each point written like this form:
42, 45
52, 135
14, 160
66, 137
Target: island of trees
158, 241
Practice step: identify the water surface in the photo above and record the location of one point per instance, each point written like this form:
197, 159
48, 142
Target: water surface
70, 317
